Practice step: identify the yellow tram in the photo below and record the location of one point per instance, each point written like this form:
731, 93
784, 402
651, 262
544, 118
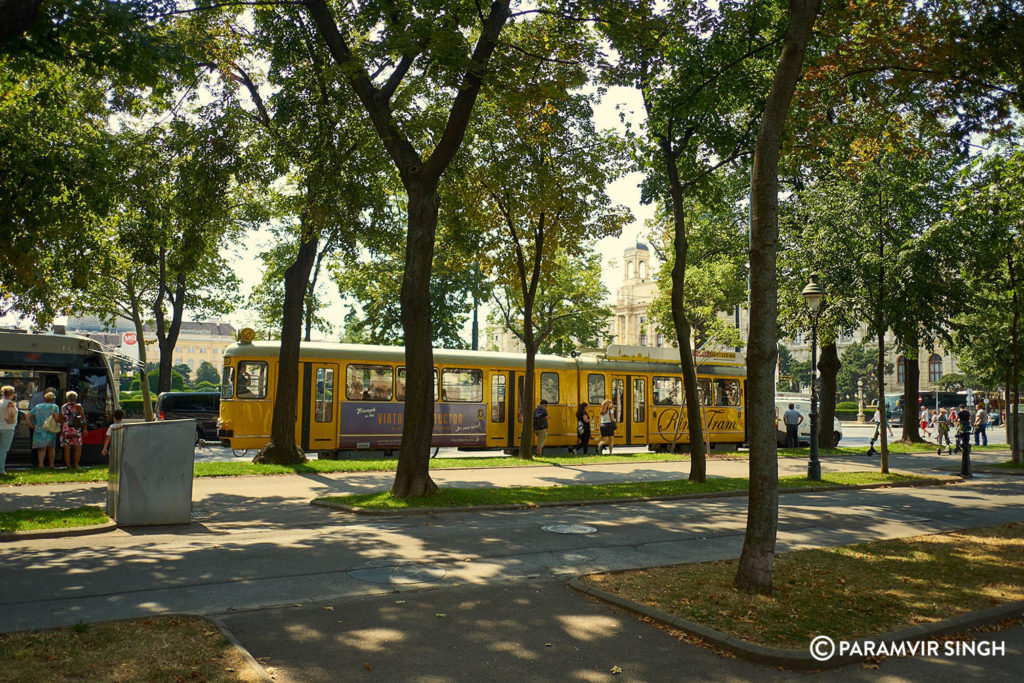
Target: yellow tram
351, 397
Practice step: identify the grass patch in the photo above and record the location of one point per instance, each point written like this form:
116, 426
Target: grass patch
847, 592
527, 495
44, 475
32, 520
243, 468
1009, 465
153, 649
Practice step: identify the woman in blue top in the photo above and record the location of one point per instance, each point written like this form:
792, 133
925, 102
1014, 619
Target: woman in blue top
43, 441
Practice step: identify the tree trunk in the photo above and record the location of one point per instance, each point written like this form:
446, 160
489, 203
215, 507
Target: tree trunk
911, 386
1017, 454
140, 339
413, 475
694, 418
525, 404
883, 429
282, 449
828, 366
167, 335
310, 289
756, 564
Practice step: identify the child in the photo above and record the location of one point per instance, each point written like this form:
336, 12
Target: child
118, 416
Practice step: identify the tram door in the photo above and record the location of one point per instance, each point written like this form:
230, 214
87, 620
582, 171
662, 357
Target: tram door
499, 426
620, 409
638, 411
323, 408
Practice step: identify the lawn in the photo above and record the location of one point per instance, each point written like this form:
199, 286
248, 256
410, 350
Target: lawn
845, 592
531, 495
34, 520
159, 649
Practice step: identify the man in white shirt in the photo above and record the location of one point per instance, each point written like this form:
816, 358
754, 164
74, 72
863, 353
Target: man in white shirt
792, 419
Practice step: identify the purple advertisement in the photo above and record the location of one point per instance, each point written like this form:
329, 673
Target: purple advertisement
379, 425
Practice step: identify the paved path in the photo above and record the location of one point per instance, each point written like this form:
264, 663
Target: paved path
269, 564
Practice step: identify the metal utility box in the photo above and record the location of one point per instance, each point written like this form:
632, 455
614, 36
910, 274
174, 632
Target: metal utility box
150, 480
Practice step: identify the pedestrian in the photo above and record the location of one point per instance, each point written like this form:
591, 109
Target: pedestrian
926, 418
942, 425
117, 425
44, 438
540, 426
792, 419
582, 429
879, 422
980, 425
8, 422
964, 439
607, 427
73, 428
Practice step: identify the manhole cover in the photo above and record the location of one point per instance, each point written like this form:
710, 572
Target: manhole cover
569, 528
398, 575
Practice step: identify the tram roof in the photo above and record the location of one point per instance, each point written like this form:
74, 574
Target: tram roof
732, 365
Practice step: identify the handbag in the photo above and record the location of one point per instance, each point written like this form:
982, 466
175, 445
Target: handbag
50, 425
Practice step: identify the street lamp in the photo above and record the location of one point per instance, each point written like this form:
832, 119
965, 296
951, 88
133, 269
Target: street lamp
813, 294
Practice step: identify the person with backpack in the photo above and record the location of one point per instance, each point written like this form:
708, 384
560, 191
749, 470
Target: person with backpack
540, 426
73, 428
582, 429
8, 422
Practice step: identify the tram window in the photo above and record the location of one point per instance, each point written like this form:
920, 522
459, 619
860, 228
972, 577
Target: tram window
252, 379
639, 402
704, 392
667, 391
618, 395
324, 394
727, 392
462, 385
368, 382
227, 384
549, 387
497, 398
595, 389
400, 385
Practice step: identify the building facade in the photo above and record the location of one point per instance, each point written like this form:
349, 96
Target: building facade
197, 341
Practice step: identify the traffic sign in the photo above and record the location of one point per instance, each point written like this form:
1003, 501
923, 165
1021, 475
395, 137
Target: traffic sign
129, 338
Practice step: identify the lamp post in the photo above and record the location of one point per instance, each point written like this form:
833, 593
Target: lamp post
813, 294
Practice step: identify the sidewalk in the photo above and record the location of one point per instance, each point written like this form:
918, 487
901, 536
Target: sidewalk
320, 595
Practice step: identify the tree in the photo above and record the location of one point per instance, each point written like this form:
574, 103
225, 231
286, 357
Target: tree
207, 372
184, 370
432, 110
987, 217
702, 70
537, 186
754, 573
316, 145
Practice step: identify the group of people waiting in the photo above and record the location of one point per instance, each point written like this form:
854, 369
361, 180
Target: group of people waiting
955, 421
47, 422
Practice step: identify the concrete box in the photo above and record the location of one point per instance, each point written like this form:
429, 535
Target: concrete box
150, 480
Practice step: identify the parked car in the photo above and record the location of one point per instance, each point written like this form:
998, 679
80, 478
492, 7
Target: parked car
202, 406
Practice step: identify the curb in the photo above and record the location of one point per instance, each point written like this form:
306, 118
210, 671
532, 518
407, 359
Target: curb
58, 532
802, 659
261, 673
932, 481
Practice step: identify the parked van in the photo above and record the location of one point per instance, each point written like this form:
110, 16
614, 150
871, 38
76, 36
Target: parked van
802, 404
202, 406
